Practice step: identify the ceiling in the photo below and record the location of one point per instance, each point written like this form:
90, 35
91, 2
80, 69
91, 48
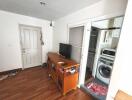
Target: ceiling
53, 9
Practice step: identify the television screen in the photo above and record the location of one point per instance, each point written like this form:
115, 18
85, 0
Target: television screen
65, 50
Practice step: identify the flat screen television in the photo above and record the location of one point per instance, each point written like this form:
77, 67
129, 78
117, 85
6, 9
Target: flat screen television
65, 50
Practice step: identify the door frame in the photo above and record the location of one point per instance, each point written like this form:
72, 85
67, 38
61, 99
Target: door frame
23, 25
85, 45
87, 23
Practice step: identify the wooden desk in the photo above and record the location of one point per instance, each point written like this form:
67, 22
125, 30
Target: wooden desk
60, 71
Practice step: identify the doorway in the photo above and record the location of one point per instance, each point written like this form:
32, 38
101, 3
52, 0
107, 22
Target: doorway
79, 33
102, 47
30, 39
91, 52
76, 39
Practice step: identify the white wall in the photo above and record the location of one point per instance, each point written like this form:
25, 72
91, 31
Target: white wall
104, 7
122, 72
10, 54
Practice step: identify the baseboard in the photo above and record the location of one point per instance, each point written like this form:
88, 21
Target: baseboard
20, 69
10, 71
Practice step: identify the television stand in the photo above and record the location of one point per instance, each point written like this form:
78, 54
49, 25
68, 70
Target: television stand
63, 71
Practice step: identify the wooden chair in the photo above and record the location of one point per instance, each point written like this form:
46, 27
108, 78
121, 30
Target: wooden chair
122, 96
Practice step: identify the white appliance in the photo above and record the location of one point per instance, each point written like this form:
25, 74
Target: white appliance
109, 52
105, 64
104, 69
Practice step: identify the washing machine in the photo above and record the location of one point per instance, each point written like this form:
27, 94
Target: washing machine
104, 69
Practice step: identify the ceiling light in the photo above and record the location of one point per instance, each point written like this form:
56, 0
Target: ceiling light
42, 3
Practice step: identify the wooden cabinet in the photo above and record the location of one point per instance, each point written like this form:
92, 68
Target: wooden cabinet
63, 71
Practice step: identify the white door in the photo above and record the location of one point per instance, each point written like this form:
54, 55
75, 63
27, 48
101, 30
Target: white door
30, 46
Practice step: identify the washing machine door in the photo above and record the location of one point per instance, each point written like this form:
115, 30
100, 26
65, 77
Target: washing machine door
105, 70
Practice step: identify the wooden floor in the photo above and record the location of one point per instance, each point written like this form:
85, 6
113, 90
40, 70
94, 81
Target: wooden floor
34, 84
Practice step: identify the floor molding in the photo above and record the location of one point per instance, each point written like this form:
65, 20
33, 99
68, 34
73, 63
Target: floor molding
10, 71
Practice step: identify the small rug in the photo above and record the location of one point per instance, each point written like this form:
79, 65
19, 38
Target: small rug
97, 88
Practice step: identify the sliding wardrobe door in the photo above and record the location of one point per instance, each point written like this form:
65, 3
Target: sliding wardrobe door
76, 39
